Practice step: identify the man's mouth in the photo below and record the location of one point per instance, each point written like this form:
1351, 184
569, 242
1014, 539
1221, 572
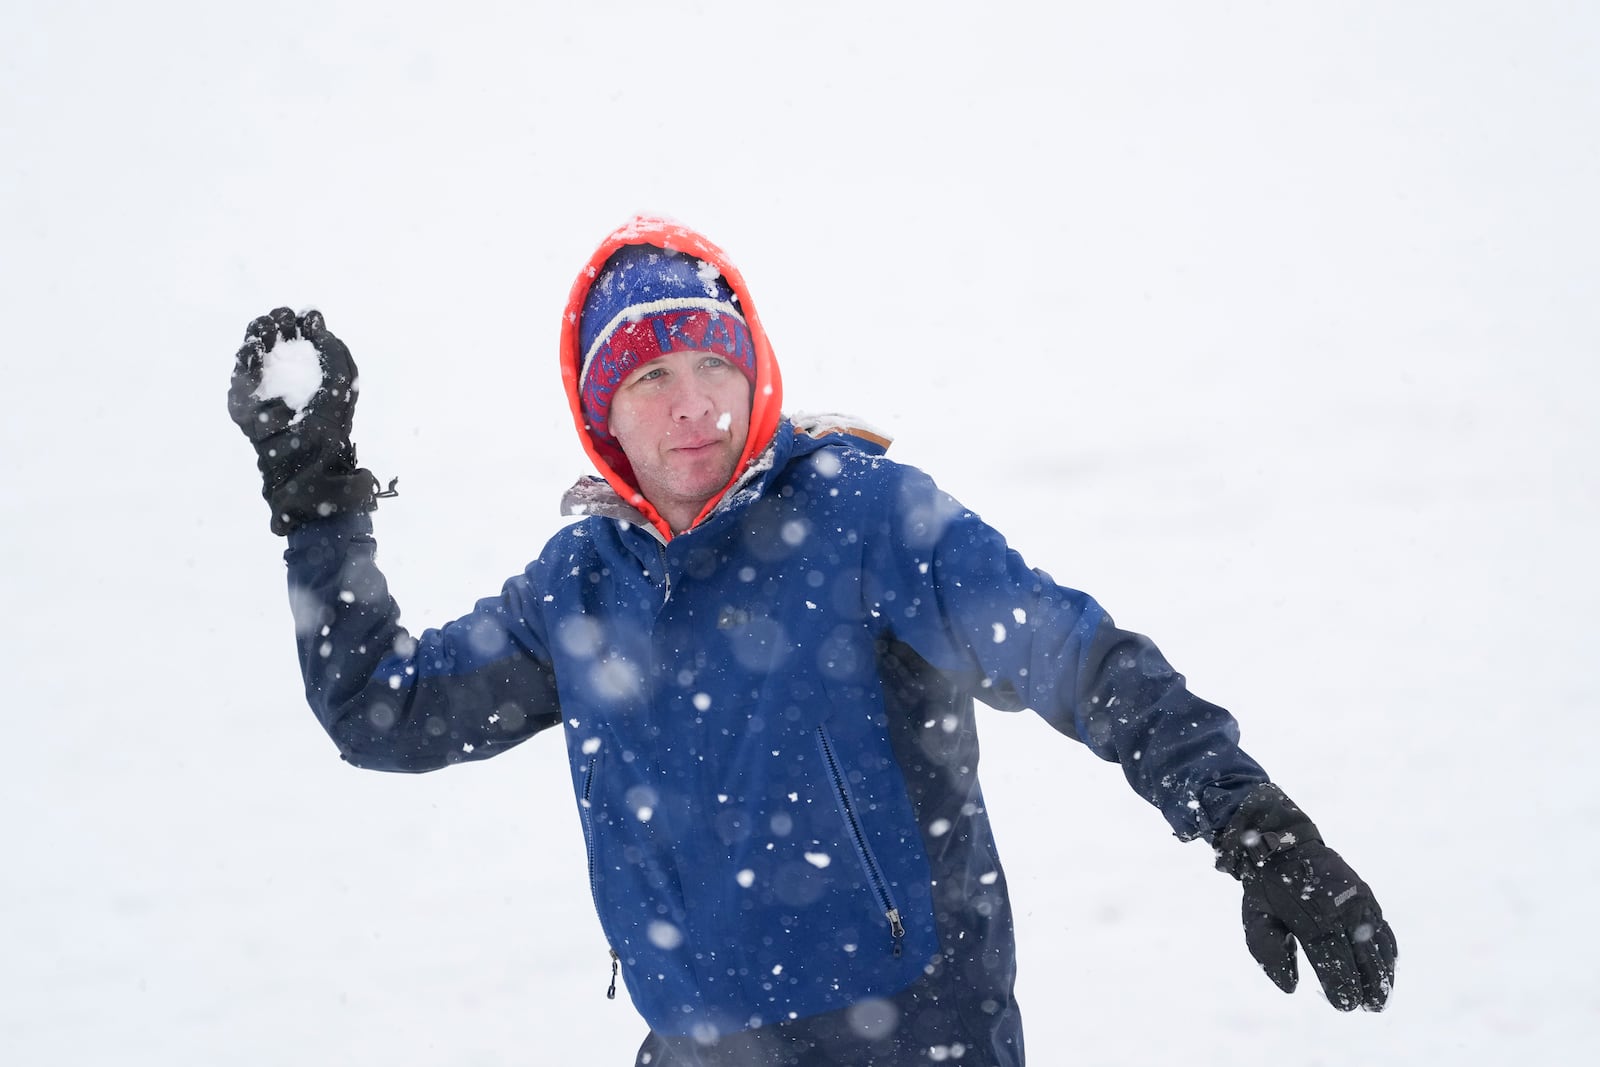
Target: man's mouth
699, 443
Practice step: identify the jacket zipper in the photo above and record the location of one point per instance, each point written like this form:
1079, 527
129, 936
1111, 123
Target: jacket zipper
594, 891
880, 885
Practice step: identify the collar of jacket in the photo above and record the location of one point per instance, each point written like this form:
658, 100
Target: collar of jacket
767, 397
592, 495
595, 496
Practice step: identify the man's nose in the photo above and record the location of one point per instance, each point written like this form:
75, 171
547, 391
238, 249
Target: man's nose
690, 401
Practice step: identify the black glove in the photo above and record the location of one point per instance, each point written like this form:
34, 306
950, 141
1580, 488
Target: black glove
1298, 889
308, 464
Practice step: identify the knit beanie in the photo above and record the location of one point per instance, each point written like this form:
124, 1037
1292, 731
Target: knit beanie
647, 302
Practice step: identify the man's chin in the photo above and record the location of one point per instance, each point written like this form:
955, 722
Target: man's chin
702, 466
694, 481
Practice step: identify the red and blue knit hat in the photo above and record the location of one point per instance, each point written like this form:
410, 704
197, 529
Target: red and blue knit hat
646, 302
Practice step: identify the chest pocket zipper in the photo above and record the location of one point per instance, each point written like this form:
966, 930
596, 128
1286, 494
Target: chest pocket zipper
588, 842
858, 836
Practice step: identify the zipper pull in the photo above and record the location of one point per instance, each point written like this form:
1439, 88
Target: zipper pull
896, 931
611, 991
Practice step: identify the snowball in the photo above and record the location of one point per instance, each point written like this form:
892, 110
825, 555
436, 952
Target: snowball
291, 372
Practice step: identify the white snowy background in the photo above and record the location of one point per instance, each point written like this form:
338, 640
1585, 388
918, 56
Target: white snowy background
1274, 326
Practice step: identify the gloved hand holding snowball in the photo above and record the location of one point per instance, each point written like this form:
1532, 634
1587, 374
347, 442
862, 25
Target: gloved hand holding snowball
293, 393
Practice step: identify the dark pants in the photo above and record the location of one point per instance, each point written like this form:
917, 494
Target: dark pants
920, 1025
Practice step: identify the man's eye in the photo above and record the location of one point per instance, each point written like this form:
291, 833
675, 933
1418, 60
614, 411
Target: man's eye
714, 361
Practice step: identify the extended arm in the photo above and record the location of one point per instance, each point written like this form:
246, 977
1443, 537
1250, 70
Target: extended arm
1033, 643
951, 587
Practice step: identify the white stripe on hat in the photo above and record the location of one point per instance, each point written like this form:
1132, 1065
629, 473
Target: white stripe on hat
635, 312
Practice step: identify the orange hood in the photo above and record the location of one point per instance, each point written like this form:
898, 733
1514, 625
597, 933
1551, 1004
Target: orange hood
766, 401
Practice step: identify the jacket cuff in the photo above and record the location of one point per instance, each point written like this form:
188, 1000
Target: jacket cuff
1267, 823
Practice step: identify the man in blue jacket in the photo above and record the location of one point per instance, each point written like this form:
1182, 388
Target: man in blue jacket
763, 642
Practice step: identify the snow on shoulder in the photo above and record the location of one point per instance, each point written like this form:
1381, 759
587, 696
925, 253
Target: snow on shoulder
821, 424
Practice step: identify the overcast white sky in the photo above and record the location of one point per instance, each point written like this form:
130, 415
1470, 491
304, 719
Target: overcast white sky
1273, 326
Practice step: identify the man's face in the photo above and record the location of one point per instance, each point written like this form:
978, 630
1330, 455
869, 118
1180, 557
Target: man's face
682, 419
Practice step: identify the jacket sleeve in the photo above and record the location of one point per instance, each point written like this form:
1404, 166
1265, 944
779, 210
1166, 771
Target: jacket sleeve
395, 702
949, 586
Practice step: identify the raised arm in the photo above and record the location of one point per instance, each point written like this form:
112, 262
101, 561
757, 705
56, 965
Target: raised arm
389, 701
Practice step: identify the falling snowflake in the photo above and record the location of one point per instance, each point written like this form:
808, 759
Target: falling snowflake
664, 935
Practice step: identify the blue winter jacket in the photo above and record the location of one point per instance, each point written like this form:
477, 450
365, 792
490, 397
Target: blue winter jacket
772, 745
